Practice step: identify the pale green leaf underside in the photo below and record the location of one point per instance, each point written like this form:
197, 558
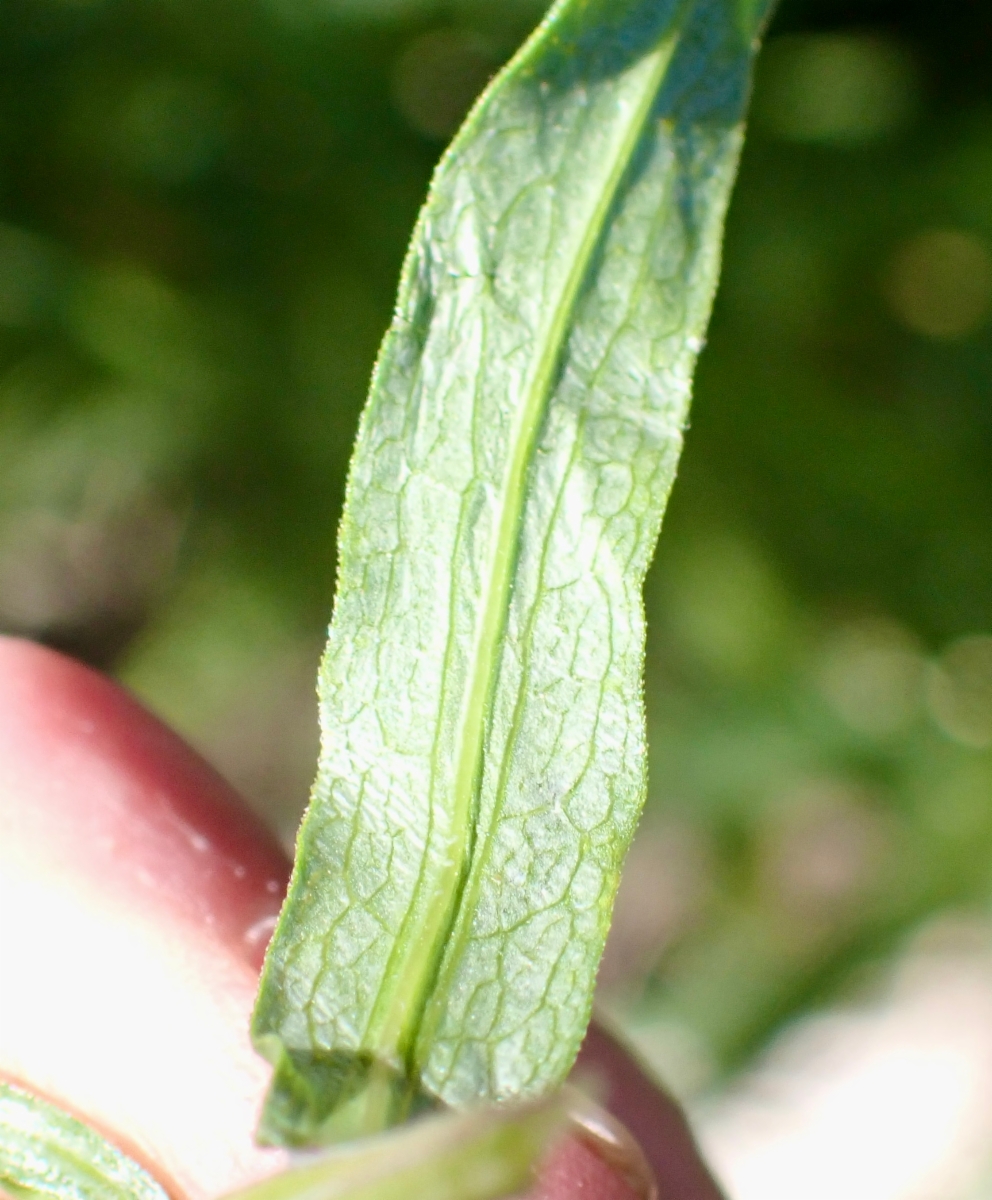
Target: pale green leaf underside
483, 760
46, 1154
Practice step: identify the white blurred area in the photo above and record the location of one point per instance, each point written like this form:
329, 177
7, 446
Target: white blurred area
890, 1100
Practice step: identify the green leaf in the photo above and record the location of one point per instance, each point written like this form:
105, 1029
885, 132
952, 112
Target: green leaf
478, 1155
44, 1152
483, 759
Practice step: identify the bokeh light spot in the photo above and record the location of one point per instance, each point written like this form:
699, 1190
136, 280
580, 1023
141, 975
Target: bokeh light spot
959, 691
438, 76
839, 88
871, 675
939, 283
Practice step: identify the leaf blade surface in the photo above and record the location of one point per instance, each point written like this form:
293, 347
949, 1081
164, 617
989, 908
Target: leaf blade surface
482, 761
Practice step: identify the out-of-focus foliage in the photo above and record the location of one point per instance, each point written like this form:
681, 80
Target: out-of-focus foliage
203, 209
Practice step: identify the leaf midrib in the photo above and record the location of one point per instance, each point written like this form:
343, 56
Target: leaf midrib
392, 1025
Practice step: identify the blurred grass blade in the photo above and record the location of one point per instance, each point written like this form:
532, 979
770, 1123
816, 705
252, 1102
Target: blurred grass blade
44, 1152
478, 1155
482, 764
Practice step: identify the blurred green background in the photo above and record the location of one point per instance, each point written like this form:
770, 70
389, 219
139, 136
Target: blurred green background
203, 209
